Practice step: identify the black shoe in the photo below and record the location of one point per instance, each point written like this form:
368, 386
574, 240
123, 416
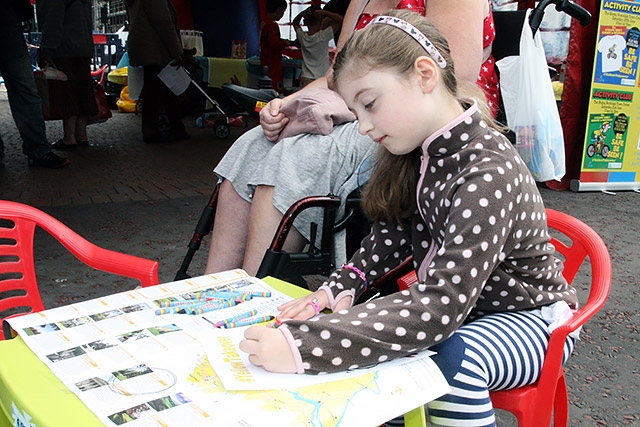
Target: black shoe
50, 160
60, 145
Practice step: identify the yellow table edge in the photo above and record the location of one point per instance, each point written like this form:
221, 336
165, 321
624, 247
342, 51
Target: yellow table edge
62, 406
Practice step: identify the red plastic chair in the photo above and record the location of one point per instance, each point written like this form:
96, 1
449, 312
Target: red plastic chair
536, 404
19, 293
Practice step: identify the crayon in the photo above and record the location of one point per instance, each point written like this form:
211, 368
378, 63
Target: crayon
235, 318
181, 304
259, 294
248, 322
168, 310
200, 309
211, 296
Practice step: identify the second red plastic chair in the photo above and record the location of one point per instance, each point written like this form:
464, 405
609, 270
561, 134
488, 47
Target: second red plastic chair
19, 292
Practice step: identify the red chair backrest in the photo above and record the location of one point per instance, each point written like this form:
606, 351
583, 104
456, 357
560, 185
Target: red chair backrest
19, 292
585, 242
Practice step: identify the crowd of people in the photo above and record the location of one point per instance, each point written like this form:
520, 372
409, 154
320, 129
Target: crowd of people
67, 46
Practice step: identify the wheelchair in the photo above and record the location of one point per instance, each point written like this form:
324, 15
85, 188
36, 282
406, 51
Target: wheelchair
318, 257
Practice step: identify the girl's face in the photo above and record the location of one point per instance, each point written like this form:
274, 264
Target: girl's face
392, 109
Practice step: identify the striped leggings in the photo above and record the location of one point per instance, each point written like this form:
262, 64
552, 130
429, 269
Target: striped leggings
497, 352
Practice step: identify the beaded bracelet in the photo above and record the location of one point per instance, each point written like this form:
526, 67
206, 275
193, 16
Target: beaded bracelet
360, 273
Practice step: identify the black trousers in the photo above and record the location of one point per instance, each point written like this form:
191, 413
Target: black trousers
157, 99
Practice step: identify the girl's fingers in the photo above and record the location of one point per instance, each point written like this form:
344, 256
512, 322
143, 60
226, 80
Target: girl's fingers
303, 308
267, 347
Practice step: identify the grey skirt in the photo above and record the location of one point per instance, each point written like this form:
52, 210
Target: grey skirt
301, 166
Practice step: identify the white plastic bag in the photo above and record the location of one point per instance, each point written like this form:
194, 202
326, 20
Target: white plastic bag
135, 81
175, 78
531, 108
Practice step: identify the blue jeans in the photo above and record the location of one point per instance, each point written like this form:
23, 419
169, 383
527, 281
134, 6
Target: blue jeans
25, 103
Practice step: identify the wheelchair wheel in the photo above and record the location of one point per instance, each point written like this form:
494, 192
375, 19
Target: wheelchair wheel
221, 129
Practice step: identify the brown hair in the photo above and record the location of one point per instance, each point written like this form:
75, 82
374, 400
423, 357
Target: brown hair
390, 194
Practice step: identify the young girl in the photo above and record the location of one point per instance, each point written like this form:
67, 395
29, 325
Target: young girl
260, 180
450, 191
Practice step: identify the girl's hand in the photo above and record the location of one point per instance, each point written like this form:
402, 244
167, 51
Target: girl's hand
303, 308
309, 306
267, 347
272, 120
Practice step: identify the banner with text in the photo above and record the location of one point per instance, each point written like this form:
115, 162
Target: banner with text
611, 154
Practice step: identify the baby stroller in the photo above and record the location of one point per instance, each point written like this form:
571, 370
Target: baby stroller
318, 259
242, 101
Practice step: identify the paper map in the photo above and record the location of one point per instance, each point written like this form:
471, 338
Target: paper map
133, 367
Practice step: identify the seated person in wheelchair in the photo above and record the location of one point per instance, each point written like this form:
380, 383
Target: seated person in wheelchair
262, 175
450, 190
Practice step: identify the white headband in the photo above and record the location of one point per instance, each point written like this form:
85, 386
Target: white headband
413, 32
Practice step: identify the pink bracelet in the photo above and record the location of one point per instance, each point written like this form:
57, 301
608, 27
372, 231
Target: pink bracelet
360, 273
314, 304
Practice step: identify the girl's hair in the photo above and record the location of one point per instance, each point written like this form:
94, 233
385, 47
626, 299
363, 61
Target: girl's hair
390, 194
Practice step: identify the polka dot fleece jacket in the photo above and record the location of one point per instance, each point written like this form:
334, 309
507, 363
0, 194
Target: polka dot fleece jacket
479, 242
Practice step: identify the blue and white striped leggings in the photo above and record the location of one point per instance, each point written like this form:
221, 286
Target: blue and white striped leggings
497, 352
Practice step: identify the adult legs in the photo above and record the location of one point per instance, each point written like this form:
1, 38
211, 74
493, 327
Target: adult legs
243, 231
158, 98
263, 223
82, 102
151, 105
269, 178
169, 102
75, 130
25, 104
230, 230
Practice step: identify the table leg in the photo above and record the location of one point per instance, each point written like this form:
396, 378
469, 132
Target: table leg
415, 418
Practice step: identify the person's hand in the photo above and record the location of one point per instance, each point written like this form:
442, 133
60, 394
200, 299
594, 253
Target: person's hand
272, 120
267, 347
177, 63
188, 56
309, 306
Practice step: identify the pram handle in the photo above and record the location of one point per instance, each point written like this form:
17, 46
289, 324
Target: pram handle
567, 6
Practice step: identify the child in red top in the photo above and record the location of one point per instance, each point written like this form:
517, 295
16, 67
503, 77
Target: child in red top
271, 44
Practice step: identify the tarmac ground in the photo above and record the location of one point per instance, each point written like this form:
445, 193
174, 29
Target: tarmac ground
145, 200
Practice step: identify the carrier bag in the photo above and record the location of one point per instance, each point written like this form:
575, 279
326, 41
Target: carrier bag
531, 109
104, 112
52, 87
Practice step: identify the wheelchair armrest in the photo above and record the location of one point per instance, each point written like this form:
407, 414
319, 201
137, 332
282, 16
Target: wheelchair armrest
292, 213
352, 204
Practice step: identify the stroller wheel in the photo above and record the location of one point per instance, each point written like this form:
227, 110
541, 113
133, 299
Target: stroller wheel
200, 122
221, 129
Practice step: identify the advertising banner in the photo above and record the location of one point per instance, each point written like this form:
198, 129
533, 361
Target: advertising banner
611, 154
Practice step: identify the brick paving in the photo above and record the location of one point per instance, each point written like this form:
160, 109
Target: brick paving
116, 167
